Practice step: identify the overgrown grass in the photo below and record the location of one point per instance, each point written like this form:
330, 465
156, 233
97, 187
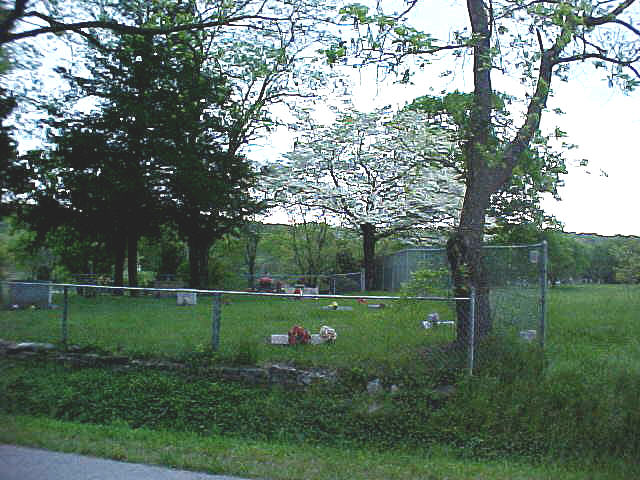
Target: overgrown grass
148, 326
280, 461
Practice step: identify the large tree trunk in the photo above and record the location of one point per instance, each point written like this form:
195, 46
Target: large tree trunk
252, 232
369, 246
488, 164
119, 247
198, 262
464, 252
132, 261
251, 268
464, 249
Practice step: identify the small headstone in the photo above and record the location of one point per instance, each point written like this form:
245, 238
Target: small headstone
187, 298
278, 339
283, 339
528, 335
374, 387
329, 307
376, 305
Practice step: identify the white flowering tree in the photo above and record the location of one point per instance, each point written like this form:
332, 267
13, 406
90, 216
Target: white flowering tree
377, 173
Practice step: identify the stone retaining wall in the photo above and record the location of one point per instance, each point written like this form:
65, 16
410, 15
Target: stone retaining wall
268, 374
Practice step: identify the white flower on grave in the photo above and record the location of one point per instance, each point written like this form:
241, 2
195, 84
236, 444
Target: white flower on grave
328, 333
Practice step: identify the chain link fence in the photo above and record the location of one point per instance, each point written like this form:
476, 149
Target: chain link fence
335, 283
514, 276
242, 327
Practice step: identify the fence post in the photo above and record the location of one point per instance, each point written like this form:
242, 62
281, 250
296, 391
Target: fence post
406, 266
65, 316
215, 322
543, 294
472, 333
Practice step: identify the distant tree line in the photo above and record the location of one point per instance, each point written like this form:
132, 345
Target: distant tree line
580, 258
234, 260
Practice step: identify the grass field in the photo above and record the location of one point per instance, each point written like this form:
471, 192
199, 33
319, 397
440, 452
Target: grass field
280, 461
582, 407
148, 326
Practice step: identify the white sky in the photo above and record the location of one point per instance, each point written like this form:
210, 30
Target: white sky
602, 121
605, 124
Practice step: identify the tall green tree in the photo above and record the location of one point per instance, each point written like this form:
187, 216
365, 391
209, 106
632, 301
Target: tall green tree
185, 104
100, 174
535, 41
206, 190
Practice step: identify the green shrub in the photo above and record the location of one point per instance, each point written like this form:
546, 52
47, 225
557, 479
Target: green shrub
427, 282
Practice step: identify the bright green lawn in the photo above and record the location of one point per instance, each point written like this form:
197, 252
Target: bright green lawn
590, 327
585, 400
594, 330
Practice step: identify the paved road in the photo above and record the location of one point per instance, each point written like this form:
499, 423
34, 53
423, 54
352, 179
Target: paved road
20, 463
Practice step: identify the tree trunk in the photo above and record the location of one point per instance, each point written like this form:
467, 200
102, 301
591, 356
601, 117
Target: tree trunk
251, 267
464, 252
251, 251
198, 262
369, 246
119, 247
132, 261
252, 233
464, 248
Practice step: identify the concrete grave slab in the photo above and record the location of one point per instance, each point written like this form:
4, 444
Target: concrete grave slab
32, 294
187, 298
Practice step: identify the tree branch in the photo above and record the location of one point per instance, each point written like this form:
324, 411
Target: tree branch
56, 26
11, 18
604, 58
627, 25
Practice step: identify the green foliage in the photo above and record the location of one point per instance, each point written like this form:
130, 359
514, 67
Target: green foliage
578, 257
428, 282
537, 170
278, 460
245, 352
627, 256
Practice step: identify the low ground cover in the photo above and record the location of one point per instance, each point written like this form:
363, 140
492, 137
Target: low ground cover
282, 461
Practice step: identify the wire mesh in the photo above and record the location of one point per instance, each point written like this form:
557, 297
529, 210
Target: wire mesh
514, 276
239, 326
335, 283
